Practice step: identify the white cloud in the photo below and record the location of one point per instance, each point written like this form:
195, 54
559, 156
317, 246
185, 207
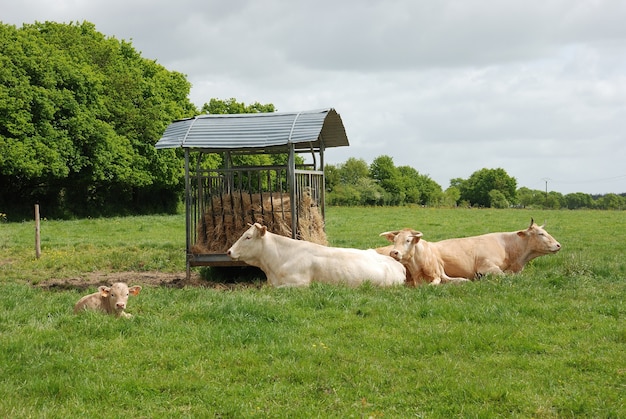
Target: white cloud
448, 87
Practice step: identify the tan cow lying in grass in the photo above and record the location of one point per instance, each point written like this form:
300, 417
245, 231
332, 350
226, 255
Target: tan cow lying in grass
494, 253
289, 262
110, 300
421, 259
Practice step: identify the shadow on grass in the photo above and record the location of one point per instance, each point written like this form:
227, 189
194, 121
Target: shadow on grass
213, 277
233, 277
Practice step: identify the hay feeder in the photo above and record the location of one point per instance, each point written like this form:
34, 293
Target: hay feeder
288, 199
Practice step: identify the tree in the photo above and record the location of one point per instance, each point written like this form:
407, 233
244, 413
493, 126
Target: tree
529, 197
231, 106
344, 194
331, 176
554, 200
383, 171
411, 183
476, 189
353, 170
451, 196
456, 182
579, 200
371, 192
79, 116
611, 201
497, 199
418, 188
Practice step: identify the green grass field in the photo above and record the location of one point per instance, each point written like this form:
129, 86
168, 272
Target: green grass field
547, 343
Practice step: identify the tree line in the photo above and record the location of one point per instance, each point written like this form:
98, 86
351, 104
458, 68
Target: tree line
354, 182
80, 113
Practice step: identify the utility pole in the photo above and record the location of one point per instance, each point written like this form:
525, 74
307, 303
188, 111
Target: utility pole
546, 179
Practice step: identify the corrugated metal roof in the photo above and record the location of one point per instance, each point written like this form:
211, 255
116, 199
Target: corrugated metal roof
261, 131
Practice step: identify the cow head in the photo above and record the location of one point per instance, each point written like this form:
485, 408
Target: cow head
403, 242
118, 294
248, 246
538, 240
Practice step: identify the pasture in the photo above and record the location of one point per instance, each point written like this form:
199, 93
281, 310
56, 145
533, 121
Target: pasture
547, 343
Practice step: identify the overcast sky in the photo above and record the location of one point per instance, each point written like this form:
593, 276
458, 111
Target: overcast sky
536, 87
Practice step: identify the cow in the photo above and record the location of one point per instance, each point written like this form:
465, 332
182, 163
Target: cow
110, 300
297, 263
495, 253
386, 250
421, 259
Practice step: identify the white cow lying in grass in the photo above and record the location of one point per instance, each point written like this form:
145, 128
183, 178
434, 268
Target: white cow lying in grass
386, 250
289, 262
110, 300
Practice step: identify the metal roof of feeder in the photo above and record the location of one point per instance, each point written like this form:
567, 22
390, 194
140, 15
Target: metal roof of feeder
257, 131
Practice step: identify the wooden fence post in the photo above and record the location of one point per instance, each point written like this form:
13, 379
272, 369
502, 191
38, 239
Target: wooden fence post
37, 232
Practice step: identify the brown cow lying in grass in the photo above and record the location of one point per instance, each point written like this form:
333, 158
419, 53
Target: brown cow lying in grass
421, 259
110, 300
473, 257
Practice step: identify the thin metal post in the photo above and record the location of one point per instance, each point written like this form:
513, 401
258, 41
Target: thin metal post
187, 214
37, 233
291, 170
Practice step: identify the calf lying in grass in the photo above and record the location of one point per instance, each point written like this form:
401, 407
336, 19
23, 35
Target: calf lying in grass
110, 300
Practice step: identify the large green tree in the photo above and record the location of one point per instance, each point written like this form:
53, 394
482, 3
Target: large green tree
349, 184
384, 171
477, 189
579, 200
79, 115
353, 170
418, 188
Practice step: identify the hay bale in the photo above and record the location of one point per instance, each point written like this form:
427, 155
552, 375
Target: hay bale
310, 221
226, 217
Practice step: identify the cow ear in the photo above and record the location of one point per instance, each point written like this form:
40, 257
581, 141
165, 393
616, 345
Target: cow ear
522, 233
104, 291
389, 235
134, 290
416, 235
260, 229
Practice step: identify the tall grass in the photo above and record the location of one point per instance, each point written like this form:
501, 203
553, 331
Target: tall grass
549, 342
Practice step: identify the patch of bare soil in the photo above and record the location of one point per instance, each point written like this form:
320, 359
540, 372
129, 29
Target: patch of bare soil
150, 279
